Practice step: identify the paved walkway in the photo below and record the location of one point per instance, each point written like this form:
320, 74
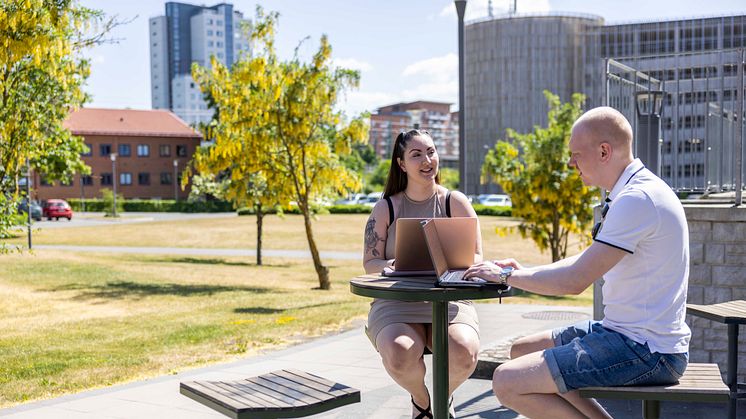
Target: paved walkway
345, 357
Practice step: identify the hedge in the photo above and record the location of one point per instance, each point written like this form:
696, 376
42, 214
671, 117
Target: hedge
155, 205
364, 209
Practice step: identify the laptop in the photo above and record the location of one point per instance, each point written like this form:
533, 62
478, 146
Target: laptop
447, 276
411, 257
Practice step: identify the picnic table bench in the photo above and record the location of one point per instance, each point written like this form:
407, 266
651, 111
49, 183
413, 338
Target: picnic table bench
700, 383
286, 393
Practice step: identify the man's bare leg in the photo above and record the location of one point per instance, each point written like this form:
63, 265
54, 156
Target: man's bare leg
543, 340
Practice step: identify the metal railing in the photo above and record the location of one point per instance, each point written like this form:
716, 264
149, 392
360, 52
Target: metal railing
697, 127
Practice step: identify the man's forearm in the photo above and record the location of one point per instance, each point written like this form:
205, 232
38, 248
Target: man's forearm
559, 278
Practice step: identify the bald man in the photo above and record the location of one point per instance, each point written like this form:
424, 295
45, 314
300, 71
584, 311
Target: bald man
641, 248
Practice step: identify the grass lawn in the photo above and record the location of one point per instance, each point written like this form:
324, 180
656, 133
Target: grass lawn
73, 321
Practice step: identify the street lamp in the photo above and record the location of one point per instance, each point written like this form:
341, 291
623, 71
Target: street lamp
649, 106
176, 186
113, 157
460, 10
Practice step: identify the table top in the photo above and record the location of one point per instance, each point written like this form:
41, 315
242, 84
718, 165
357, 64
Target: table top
733, 312
420, 289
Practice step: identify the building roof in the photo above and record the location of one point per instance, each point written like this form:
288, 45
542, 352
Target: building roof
128, 122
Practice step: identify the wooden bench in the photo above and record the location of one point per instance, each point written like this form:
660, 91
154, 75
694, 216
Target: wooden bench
700, 383
279, 394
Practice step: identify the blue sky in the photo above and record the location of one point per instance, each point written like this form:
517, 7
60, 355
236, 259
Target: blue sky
405, 49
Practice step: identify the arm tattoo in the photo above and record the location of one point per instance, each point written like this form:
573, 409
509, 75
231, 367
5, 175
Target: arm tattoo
371, 237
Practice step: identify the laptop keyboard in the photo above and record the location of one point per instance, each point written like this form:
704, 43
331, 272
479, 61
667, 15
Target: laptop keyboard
454, 276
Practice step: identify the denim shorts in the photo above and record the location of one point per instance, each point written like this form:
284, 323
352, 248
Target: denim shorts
588, 355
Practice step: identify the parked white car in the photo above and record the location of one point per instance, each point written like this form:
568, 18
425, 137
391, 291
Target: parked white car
495, 200
352, 199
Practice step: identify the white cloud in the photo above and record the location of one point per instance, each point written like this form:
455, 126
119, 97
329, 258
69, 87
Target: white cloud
438, 69
353, 103
480, 8
352, 64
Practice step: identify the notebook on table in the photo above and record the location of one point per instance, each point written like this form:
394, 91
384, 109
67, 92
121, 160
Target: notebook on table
411, 257
446, 275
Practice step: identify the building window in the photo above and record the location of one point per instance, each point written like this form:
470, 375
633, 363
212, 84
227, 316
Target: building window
105, 179
164, 150
181, 150
104, 149
89, 152
125, 178
87, 180
143, 178
219, 33
143, 150
125, 150
209, 33
166, 178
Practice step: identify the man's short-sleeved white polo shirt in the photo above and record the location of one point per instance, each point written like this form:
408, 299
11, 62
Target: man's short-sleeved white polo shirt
645, 293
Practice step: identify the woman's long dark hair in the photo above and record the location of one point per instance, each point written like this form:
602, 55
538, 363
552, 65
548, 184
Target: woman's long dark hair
397, 180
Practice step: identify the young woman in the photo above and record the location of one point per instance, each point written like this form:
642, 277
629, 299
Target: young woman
400, 330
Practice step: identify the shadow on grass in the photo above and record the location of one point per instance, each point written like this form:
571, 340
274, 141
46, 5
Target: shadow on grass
137, 290
268, 310
215, 261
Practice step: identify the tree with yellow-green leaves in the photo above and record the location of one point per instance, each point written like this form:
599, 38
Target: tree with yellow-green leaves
41, 77
276, 118
532, 168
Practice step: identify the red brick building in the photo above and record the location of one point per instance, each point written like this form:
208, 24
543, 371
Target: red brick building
151, 150
434, 117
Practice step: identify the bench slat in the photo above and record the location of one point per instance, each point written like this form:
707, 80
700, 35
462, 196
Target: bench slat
320, 383
258, 399
301, 385
700, 383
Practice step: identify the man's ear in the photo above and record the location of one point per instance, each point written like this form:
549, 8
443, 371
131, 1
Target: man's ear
605, 152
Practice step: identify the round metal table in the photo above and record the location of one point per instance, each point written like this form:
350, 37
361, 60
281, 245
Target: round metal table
424, 289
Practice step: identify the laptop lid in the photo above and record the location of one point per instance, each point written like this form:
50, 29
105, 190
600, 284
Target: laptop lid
434, 248
410, 250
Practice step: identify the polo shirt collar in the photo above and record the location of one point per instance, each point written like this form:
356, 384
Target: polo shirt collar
626, 175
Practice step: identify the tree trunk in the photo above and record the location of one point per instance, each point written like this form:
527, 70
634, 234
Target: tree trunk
554, 239
259, 221
321, 270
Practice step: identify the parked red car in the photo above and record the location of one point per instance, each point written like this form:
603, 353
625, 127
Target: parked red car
57, 208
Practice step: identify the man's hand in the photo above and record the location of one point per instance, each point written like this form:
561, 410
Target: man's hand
508, 262
486, 270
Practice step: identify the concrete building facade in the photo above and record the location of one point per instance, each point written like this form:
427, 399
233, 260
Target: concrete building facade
191, 34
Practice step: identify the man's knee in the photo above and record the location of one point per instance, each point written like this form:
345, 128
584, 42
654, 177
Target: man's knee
503, 385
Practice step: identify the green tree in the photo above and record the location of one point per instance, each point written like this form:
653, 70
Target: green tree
41, 78
277, 118
449, 178
532, 168
377, 178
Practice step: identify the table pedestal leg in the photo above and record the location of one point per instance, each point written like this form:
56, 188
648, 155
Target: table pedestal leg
732, 377
440, 359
